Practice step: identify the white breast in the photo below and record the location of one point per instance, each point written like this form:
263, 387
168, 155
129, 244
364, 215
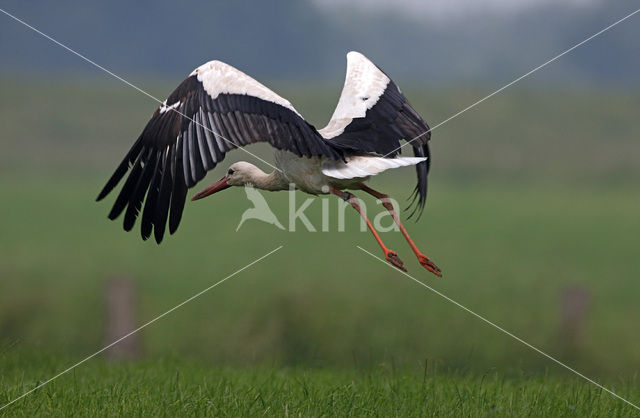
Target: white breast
315, 175
304, 172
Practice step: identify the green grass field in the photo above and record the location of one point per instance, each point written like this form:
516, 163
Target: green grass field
533, 193
176, 388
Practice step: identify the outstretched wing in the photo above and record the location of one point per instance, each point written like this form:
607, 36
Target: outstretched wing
216, 109
373, 115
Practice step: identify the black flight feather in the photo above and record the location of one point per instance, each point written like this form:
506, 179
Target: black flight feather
189, 135
137, 196
380, 130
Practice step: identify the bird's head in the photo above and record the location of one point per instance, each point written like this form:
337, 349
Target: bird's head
239, 174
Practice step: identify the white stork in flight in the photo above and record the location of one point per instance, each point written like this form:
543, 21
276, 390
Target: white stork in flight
219, 108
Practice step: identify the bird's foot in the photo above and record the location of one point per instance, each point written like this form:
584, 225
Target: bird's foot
392, 257
429, 265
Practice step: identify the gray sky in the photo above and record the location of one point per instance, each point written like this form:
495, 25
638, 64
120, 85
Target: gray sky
434, 42
448, 10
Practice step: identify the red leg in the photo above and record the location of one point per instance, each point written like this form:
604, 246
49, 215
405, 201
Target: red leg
423, 259
391, 256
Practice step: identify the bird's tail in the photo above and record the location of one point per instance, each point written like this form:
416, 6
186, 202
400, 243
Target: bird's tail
418, 197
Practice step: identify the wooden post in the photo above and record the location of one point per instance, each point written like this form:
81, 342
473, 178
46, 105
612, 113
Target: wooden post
575, 306
121, 319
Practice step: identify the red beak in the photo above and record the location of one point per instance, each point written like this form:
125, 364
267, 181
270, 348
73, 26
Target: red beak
215, 187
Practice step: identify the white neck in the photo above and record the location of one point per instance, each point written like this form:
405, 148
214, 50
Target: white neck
272, 182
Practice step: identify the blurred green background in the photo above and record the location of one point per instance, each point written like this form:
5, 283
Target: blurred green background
533, 194
533, 212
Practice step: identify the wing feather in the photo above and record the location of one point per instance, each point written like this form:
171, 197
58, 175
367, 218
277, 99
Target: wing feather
149, 208
214, 110
136, 198
178, 197
373, 116
123, 198
164, 197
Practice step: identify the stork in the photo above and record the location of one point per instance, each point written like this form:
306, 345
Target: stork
218, 108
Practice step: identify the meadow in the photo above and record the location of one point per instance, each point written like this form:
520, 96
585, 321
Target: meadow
178, 388
532, 194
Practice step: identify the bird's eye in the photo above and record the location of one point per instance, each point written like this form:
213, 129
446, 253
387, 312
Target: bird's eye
230, 172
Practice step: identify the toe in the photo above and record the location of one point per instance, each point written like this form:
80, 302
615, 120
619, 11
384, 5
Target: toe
430, 265
393, 258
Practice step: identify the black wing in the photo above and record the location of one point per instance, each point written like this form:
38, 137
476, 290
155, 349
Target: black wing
216, 109
373, 115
